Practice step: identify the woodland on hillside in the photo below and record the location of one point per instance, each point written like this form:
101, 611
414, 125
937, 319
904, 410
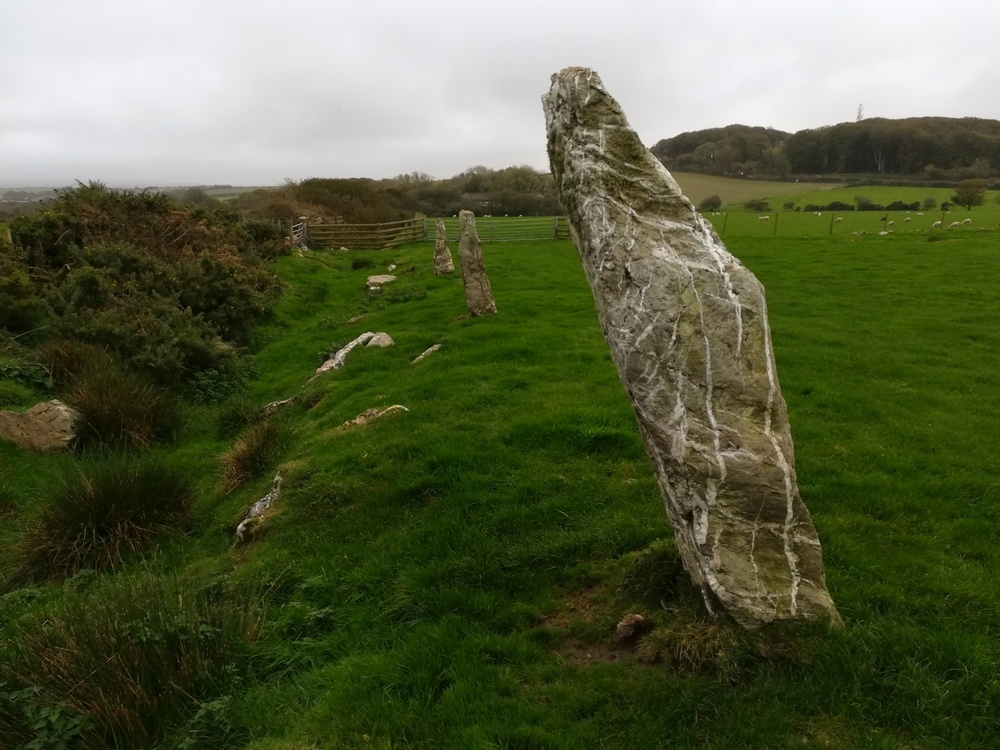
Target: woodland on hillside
920, 149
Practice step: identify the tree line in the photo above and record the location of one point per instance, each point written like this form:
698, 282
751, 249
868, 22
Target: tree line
512, 191
918, 149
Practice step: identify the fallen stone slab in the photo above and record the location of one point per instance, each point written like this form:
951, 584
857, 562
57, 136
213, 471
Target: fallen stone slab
48, 427
340, 357
426, 352
275, 406
688, 331
376, 281
255, 516
370, 415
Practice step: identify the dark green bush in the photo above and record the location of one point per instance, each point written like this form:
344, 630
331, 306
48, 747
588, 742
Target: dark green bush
102, 518
126, 664
122, 410
711, 203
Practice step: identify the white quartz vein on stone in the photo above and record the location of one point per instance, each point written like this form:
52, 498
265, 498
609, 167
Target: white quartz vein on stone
686, 324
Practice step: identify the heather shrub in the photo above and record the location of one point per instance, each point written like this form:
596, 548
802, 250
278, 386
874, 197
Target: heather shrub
102, 518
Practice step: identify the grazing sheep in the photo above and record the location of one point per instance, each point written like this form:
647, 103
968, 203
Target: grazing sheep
817, 213
890, 223
763, 218
966, 221
883, 233
955, 225
936, 225
839, 218
907, 218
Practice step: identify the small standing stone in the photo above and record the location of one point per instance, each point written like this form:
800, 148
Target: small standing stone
478, 294
256, 513
443, 262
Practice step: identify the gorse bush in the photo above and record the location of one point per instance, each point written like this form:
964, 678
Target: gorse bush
255, 452
123, 665
170, 290
102, 518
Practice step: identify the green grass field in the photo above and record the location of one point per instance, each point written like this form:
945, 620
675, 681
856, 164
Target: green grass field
450, 577
731, 190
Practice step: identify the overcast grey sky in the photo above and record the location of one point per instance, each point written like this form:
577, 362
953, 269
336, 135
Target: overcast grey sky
249, 92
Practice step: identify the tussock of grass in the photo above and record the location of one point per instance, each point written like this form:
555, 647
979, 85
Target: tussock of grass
235, 415
102, 518
68, 361
693, 647
121, 410
133, 658
254, 452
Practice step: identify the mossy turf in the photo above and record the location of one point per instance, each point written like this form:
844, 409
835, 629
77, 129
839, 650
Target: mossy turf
451, 576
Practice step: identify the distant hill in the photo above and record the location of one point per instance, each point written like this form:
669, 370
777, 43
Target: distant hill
917, 149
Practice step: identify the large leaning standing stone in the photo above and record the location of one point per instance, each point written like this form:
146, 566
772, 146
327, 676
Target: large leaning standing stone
478, 294
443, 262
688, 331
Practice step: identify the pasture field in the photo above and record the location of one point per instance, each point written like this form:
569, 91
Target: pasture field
731, 190
450, 577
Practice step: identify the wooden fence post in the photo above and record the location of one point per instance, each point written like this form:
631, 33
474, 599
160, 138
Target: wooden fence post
725, 220
776, 215
832, 214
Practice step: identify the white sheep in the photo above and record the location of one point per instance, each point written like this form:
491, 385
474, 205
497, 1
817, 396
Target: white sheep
966, 221
920, 213
890, 223
936, 225
907, 219
839, 218
817, 213
955, 225
883, 233
763, 218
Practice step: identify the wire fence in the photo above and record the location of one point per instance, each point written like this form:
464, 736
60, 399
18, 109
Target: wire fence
391, 234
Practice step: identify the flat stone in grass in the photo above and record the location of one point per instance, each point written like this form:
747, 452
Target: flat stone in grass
375, 282
48, 427
687, 327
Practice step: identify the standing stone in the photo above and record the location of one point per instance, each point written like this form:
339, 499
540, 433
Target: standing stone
478, 295
688, 331
443, 262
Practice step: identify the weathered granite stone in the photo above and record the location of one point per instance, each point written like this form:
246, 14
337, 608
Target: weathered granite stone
478, 294
443, 262
381, 339
688, 331
428, 351
376, 281
48, 427
255, 515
